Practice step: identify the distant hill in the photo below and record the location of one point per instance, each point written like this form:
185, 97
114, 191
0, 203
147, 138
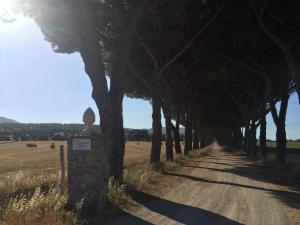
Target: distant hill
6, 120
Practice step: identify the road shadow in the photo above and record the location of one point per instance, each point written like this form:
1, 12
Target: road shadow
181, 213
125, 218
290, 197
118, 216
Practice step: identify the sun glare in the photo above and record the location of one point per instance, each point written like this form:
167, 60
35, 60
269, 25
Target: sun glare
5, 5
8, 10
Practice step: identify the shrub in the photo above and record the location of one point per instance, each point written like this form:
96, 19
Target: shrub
197, 153
31, 145
138, 176
117, 193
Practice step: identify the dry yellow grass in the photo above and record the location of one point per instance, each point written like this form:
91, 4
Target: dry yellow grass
29, 177
16, 156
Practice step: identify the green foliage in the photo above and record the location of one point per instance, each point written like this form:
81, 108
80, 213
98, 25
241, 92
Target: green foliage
138, 135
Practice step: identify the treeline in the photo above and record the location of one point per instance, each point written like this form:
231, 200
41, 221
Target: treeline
57, 131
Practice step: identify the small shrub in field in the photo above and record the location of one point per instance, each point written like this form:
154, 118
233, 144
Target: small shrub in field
138, 176
31, 145
199, 153
117, 193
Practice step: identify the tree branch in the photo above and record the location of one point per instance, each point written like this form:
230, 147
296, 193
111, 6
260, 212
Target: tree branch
148, 51
189, 44
274, 113
149, 86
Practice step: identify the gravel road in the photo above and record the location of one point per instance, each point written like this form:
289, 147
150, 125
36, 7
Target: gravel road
221, 188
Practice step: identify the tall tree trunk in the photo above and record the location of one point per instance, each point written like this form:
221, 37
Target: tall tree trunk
116, 89
177, 135
281, 133
240, 138
188, 134
186, 138
246, 138
116, 96
196, 136
156, 130
262, 136
202, 141
169, 138
253, 147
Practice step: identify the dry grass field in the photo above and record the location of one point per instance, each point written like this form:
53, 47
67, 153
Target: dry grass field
16, 156
26, 172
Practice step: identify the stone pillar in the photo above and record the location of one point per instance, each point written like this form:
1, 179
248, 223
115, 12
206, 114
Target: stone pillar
88, 170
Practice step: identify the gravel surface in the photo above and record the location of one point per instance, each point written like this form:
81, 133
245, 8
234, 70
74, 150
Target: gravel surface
221, 188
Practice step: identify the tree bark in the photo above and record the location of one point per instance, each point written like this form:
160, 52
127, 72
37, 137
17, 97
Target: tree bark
116, 90
169, 138
262, 136
281, 133
116, 94
177, 135
156, 130
247, 138
188, 134
253, 147
196, 136
202, 141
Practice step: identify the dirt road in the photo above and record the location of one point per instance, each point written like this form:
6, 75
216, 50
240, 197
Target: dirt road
222, 188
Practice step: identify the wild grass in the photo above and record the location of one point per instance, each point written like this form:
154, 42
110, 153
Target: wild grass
139, 175
117, 193
30, 199
197, 153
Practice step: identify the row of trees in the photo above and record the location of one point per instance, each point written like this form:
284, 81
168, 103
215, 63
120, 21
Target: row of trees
213, 66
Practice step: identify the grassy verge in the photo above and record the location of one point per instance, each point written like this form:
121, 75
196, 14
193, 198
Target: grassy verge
30, 198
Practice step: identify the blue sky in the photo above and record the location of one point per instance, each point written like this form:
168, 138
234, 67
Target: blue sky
38, 85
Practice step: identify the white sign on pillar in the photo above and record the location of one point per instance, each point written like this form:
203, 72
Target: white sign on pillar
82, 144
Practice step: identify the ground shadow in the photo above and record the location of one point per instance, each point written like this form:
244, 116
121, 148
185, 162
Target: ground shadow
125, 218
115, 215
179, 212
251, 171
